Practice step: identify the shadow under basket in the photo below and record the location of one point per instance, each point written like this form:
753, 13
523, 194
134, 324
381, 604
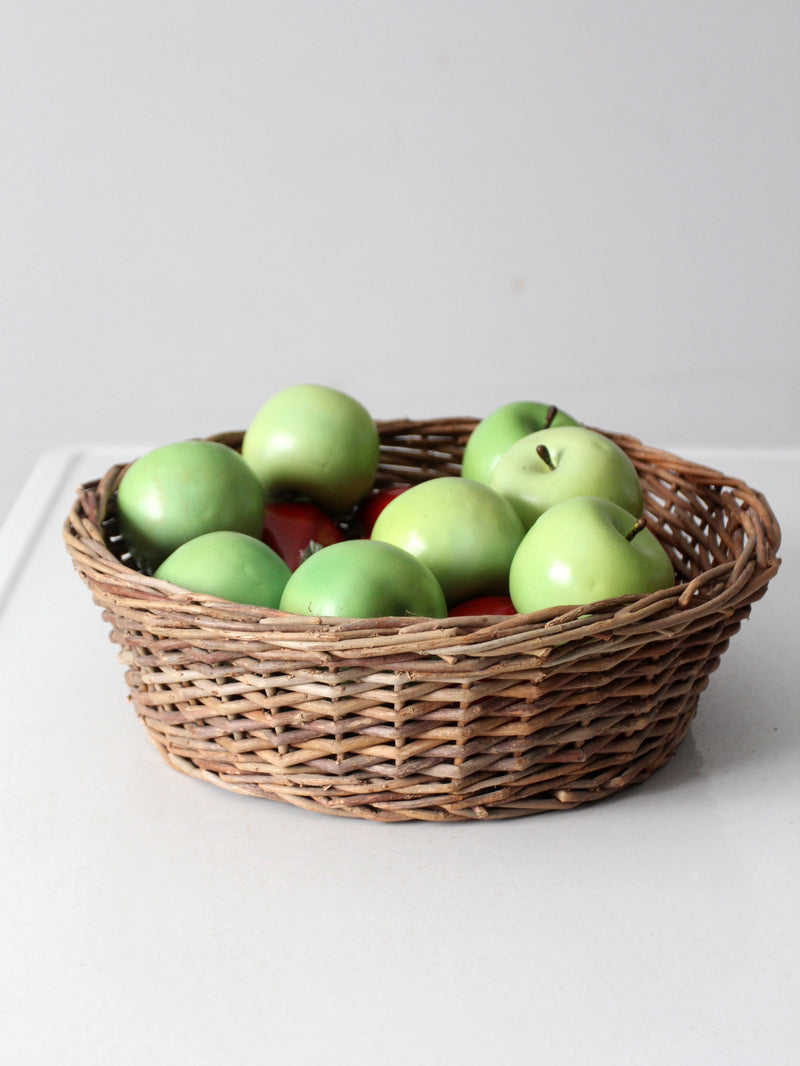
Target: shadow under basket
394, 719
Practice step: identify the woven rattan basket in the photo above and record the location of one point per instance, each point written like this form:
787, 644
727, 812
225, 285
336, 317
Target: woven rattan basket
437, 719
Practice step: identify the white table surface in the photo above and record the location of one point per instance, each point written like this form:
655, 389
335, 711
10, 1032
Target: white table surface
150, 918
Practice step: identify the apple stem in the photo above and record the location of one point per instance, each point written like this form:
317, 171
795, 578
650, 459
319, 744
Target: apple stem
544, 455
552, 411
640, 525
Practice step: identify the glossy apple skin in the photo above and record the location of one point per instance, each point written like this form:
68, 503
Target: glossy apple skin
462, 530
179, 491
495, 434
233, 566
485, 605
372, 505
577, 553
363, 579
586, 464
313, 441
294, 529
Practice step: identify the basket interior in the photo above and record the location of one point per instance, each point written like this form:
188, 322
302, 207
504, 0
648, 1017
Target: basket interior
702, 517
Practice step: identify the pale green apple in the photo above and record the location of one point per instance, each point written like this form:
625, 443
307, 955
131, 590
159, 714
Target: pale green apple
462, 530
554, 464
363, 579
583, 550
230, 565
182, 490
495, 434
314, 441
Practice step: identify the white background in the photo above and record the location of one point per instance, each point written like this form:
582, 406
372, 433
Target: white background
437, 207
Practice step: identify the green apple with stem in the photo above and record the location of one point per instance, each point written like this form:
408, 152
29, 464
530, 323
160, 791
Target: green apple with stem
554, 464
495, 434
586, 549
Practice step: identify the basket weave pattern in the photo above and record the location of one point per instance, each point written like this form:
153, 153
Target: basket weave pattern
437, 719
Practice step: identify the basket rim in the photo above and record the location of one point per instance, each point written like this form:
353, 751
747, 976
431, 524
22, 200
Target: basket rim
636, 618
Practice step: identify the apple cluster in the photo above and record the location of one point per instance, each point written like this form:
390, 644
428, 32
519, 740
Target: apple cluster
545, 513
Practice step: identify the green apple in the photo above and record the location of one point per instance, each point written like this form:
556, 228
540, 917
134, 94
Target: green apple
586, 549
363, 579
554, 464
466, 533
180, 491
313, 441
233, 566
495, 434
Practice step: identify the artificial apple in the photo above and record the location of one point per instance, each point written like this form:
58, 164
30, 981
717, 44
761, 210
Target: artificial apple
363, 579
371, 506
296, 528
230, 565
313, 441
179, 491
495, 434
554, 464
466, 533
486, 605
586, 549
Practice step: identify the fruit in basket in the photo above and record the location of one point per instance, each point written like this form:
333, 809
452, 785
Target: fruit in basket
371, 506
586, 549
495, 434
554, 464
313, 441
486, 605
466, 533
296, 528
179, 491
233, 566
363, 579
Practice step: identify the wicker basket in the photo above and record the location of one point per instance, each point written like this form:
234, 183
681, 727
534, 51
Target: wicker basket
437, 719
